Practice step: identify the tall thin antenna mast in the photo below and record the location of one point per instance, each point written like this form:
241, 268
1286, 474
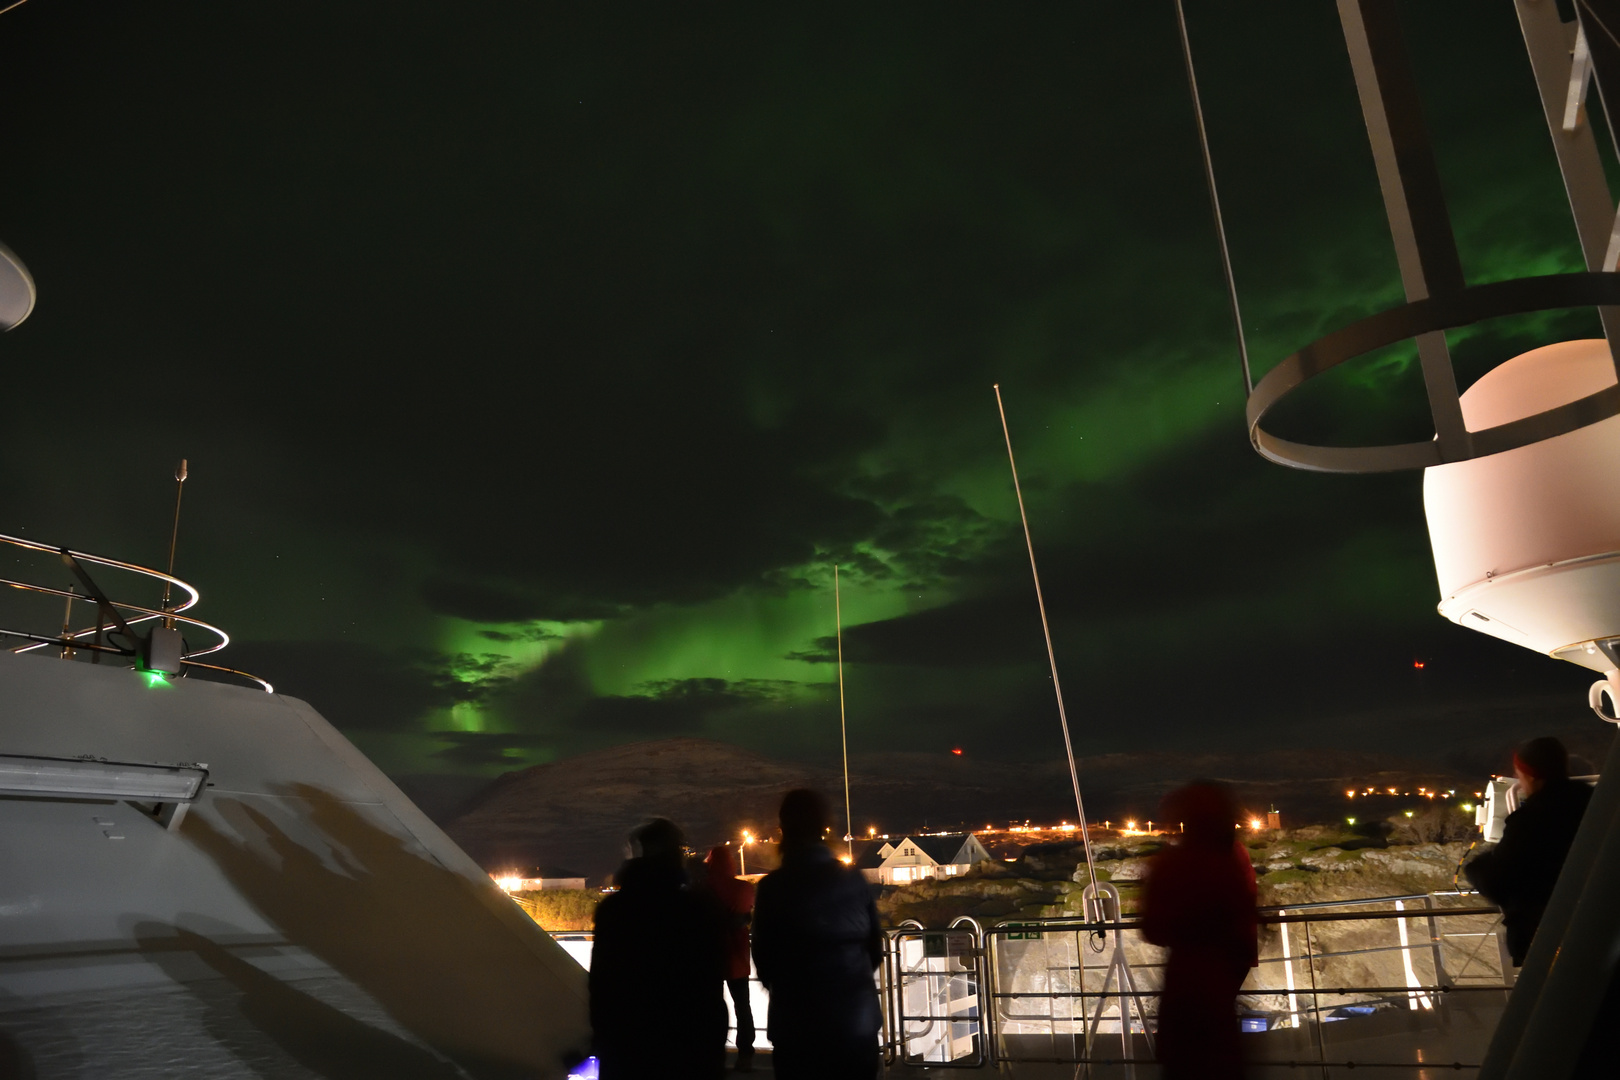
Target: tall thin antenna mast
174, 535
843, 726
1051, 657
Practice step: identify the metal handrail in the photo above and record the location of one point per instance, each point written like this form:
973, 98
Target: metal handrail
192, 595
139, 613
146, 614
976, 949
1070, 1028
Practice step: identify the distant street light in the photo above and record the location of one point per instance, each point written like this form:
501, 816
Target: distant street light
742, 852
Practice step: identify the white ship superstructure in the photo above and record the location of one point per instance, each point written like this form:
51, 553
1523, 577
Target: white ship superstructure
209, 880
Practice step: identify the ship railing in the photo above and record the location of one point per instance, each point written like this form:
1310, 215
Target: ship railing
1382, 982
1389, 982
113, 632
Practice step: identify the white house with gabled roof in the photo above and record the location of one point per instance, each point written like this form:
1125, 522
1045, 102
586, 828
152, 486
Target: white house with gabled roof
916, 858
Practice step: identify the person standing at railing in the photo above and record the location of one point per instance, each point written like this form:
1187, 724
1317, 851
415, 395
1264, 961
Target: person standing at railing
1518, 875
735, 899
817, 943
657, 969
1200, 903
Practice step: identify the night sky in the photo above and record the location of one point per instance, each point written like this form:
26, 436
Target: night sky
536, 364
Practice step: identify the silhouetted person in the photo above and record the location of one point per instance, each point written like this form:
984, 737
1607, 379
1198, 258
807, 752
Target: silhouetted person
1199, 903
816, 944
735, 899
1518, 875
657, 968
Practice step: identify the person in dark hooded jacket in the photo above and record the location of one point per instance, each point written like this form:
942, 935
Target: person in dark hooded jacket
657, 970
817, 943
1199, 902
1518, 875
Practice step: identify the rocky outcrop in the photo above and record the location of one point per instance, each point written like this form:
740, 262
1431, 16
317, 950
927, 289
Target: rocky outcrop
1306, 866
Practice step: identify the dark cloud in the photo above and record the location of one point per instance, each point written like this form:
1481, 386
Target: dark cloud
683, 706
723, 693
636, 717
530, 634
355, 686
509, 602
823, 651
483, 749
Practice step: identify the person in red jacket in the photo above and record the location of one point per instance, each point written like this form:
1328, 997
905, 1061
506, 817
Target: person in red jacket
1199, 902
736, 900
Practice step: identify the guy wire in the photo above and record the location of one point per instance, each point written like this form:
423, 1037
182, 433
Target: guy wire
1215, 202
1051, 657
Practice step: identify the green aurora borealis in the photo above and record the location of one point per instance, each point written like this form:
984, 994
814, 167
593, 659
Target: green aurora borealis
537, 364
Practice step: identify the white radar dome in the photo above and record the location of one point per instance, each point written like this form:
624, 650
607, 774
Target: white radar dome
1527, 542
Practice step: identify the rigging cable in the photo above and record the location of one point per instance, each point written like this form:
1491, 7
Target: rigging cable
1051, 657
843, 728
1215, 201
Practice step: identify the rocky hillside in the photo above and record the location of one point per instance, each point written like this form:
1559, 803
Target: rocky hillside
1302, 866
1297, 866
577, 813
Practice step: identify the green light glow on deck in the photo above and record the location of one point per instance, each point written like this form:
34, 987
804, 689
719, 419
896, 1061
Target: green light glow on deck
155, 678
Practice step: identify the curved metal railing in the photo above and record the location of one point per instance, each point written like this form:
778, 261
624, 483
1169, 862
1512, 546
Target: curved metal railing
125, 614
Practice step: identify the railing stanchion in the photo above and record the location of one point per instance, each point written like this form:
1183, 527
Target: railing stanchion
1316, 1002
1441, 977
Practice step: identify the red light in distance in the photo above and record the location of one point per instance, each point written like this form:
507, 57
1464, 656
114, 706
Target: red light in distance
957, 751
1418, 664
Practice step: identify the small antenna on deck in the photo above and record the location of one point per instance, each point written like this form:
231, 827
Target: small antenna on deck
174, 535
